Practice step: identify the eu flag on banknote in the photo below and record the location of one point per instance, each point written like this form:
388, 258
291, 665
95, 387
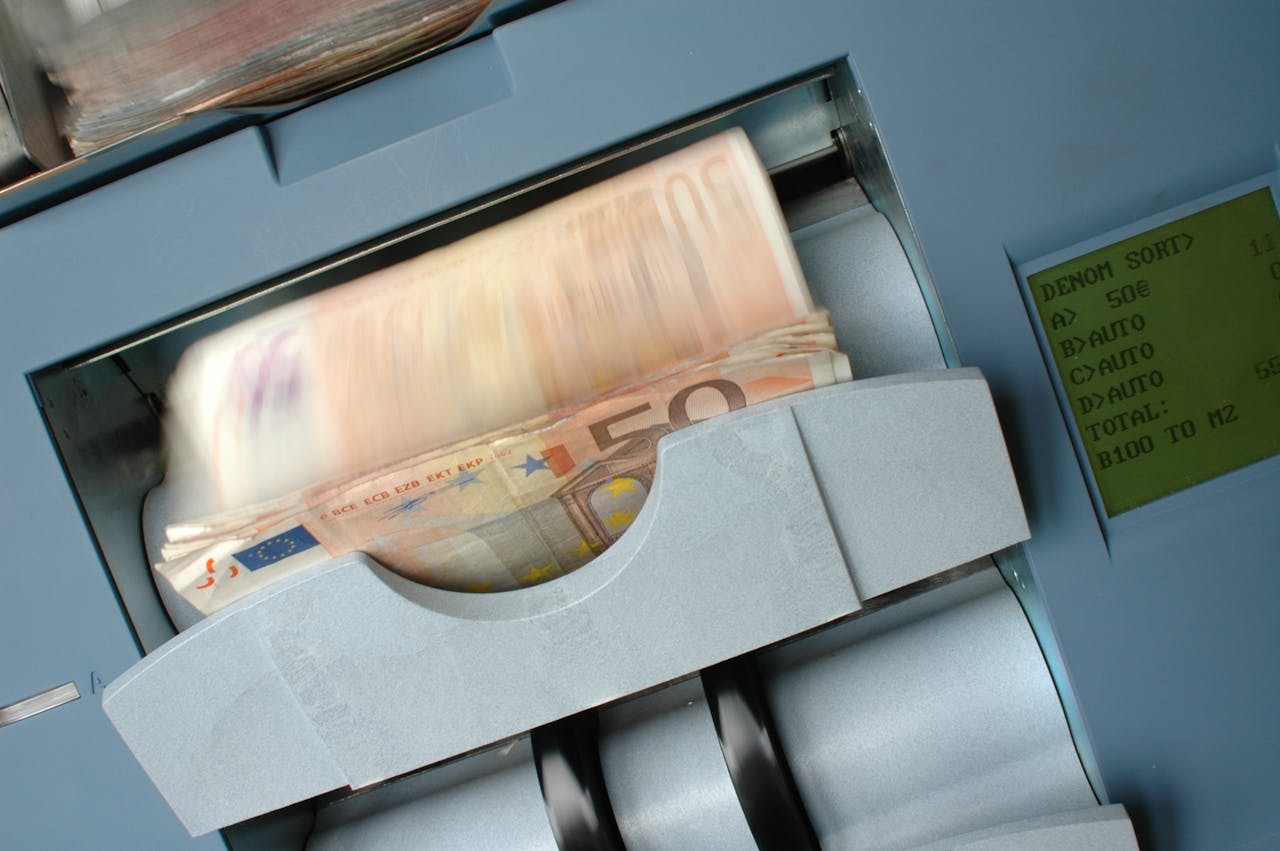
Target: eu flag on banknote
287, 543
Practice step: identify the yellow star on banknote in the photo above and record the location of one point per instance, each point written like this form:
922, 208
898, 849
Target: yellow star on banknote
537, 574
620, 518
619, 486
583, 549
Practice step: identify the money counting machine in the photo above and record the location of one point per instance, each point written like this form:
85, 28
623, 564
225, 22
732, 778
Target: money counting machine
1011, 587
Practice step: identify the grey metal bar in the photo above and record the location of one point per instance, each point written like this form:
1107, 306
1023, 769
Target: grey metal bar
37, 703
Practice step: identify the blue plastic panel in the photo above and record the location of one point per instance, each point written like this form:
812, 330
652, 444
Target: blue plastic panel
1013, 128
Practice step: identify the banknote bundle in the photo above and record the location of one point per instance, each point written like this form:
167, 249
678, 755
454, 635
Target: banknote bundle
485, 417
140, 63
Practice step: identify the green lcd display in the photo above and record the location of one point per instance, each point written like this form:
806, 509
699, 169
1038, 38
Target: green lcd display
1168, 347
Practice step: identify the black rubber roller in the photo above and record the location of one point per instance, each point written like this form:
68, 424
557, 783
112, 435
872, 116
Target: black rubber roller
567, 756
757, 765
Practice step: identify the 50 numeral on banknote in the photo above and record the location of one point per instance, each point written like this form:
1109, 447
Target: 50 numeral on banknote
677, 414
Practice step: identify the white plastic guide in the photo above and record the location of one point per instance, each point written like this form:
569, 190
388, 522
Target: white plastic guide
346, 674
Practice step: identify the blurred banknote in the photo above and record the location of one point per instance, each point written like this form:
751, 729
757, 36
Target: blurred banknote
673, 261
128, 66
518, 508
484, 417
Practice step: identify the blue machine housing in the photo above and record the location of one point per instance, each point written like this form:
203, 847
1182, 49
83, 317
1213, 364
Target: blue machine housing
1012, 130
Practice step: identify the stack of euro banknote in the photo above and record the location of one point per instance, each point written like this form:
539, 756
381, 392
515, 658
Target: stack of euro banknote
128, 66
485, 416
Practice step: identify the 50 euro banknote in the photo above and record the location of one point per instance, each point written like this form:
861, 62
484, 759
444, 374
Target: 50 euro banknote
516, 508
